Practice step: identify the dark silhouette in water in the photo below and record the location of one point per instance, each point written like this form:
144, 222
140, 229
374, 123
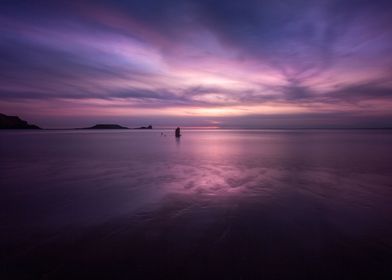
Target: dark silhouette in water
145, 127
107, 126
178, 132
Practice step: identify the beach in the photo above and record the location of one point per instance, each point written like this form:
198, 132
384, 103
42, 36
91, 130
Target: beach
224, 204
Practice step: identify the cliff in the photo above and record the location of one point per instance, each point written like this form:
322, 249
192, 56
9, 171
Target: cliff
14, 122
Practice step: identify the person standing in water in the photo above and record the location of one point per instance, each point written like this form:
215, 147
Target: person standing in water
178, 132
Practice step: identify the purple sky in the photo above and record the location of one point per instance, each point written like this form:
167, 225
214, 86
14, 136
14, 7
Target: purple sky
197, 63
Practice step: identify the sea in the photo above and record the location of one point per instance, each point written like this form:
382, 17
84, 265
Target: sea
212, 204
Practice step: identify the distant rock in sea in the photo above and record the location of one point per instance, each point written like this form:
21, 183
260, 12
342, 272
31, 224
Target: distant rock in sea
145, 127
14, 122
107, 126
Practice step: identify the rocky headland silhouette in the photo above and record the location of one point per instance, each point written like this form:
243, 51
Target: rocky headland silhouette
14, 122
107, 126
144, 127
115, 126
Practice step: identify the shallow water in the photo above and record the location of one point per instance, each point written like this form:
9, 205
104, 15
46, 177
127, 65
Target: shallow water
227, 204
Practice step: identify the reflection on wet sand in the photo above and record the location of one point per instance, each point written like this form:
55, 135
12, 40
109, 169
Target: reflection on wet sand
231, 205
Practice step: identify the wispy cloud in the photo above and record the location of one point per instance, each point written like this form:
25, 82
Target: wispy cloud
198, 57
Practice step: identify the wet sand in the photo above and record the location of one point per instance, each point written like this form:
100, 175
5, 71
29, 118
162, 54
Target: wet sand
217, 205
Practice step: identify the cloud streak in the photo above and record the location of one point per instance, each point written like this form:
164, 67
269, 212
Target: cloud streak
197, 58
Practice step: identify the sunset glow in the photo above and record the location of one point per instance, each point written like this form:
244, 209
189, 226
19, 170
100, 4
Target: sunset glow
188, 59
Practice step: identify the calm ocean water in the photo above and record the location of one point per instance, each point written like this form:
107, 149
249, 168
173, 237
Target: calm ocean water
222, 204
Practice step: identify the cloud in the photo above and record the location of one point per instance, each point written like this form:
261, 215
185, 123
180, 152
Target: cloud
329, 56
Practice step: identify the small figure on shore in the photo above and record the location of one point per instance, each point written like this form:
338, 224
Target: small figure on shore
178, 132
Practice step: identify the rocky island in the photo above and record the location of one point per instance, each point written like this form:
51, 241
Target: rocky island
14, 122
145, 127
107, 126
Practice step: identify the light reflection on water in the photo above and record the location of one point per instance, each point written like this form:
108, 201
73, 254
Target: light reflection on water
309, 190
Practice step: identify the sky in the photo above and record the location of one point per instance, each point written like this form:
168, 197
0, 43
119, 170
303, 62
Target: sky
213, 63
